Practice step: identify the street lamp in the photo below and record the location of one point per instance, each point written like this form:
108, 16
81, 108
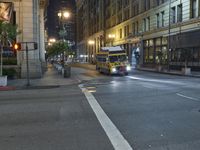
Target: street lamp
51, 41
111, 37
63, 16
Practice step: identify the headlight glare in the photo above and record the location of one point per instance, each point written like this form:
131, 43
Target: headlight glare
114, 70
128, 68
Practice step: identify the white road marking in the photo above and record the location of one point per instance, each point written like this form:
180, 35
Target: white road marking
191, 98
114, 135
154, 80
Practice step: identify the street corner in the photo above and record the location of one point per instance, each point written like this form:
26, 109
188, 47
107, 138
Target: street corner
7, 88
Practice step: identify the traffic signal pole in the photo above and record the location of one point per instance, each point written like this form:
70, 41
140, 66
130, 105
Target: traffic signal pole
18, 47
27, 66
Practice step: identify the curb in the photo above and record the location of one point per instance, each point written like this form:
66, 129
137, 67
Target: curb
7, 88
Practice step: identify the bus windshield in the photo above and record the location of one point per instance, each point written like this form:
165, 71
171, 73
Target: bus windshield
119, 58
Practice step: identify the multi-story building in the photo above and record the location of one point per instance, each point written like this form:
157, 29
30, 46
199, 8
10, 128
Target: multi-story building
29, 15
90, 28
162, 31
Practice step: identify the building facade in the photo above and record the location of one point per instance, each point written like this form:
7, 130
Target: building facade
29, 15
163, 32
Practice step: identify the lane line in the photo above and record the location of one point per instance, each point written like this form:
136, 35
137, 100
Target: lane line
191, 98
154, 80
114, 135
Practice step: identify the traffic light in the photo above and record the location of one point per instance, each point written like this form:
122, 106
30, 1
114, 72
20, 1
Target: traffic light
17, 46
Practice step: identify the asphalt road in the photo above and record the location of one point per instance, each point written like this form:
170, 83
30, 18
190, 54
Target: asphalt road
142, 111
153, 111
49, 119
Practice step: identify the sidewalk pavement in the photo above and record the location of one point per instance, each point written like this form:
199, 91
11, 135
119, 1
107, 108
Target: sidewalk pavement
171, 72
50, 78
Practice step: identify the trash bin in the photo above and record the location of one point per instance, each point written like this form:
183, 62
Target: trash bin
67, 71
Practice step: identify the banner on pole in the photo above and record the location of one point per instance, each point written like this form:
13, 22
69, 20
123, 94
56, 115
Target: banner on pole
6, 9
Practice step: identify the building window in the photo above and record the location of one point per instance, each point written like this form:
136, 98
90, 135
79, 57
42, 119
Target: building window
126, 31
147, 23
155, 51
126, 14
120, 33
133, 28
179, 13
158, 20
193, 10
137, 27
135, 8
146, 4
125, 3
162, 18
173, 11
144, 25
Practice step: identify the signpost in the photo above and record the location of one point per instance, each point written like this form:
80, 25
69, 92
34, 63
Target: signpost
35, 46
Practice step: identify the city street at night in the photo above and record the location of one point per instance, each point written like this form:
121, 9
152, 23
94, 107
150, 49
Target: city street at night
99, 74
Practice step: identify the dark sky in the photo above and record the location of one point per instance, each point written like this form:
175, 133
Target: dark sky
53, 8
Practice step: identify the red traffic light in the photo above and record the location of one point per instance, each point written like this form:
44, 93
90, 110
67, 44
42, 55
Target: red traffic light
17, 46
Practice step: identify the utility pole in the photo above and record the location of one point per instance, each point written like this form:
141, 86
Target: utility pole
169, 32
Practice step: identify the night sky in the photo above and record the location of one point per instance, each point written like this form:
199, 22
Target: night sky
52, 18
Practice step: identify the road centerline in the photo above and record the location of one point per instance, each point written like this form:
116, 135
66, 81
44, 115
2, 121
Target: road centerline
188, 97
114, 135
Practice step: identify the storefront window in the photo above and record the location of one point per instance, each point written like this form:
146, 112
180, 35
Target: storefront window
196, 53
151, 54
146, 55
158, 51
151, 42
164, 55
164, 41
158, 42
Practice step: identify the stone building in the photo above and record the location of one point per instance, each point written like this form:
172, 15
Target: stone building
163, 32
29, 15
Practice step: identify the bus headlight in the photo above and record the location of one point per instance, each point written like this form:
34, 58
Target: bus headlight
128, 68
114, 70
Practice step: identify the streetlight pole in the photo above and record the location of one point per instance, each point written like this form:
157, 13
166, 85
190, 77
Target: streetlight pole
169, 32
63, 15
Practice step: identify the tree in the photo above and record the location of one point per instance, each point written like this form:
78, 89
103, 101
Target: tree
160, 55
57, 48
8, 32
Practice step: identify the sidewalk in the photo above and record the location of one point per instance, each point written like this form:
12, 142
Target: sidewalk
172, 72
51, 78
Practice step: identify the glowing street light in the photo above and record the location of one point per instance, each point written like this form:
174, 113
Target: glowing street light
111, 37
91, 42
64, 14
52, 40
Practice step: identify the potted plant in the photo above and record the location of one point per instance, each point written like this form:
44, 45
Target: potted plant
8, 32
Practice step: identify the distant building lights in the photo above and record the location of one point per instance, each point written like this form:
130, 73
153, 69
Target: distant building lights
111, 36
